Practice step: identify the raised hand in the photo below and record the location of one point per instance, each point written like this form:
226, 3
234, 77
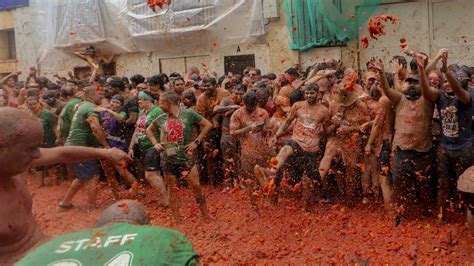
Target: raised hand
376, 63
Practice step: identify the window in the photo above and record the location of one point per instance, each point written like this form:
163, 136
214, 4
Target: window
308, 26
236, 64
7, 45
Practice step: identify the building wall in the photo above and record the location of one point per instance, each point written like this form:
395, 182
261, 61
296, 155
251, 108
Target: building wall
427, 25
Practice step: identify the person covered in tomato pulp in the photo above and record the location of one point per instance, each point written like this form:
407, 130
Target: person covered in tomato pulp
122, 237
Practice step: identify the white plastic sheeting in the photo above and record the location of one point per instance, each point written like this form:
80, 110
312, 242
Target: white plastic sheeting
127, 26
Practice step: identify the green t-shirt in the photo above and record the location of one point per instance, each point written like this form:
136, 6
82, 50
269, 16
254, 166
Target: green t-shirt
66, 116
144, 120
116, 244
49, 121
81, 132
177, 133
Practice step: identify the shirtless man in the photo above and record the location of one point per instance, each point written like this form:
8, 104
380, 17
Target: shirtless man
312, 120
95, 61
230, 145
206, 102
370, 96
21, 135
287, 83
379, 145
8, 84
412, 142
250, 124
348, 115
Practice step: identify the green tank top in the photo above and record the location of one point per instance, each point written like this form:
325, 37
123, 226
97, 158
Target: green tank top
117, 244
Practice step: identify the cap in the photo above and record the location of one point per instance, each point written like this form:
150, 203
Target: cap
124, 211
413, 78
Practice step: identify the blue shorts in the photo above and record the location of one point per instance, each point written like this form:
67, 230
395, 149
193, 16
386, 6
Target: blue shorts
87, 169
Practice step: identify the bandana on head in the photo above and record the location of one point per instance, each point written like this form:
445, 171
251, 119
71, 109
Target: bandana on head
145, 96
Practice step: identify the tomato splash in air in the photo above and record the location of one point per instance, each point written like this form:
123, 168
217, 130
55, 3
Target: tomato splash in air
375, 26
365, 41
403, 43
158, 3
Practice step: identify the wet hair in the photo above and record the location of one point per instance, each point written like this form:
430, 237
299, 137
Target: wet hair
103, 81
32, 98
43, 82
88, 91
171, 96
32, 92
260, 85
49, 94
117, 84
175, 75
156, 80
389, 79
296, 96
402, 60
256, 70
340, 73
322, 66
311, 87
271, 76
178, 78
124, 211
53, 86
240, 87
137, 79
195, 77
164, 77
119, 98
292, 72
190, 96
221, 79
238, 77
265, 90
413, 65
250, 98
453, 67
125, 80
209, 80
68, 90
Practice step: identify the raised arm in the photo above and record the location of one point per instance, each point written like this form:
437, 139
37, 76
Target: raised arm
434, 61
81, 55
392, 94
462, 94
14, 74
429, 93
396, 67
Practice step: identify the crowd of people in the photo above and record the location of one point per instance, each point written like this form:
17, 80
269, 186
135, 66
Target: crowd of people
401, 135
